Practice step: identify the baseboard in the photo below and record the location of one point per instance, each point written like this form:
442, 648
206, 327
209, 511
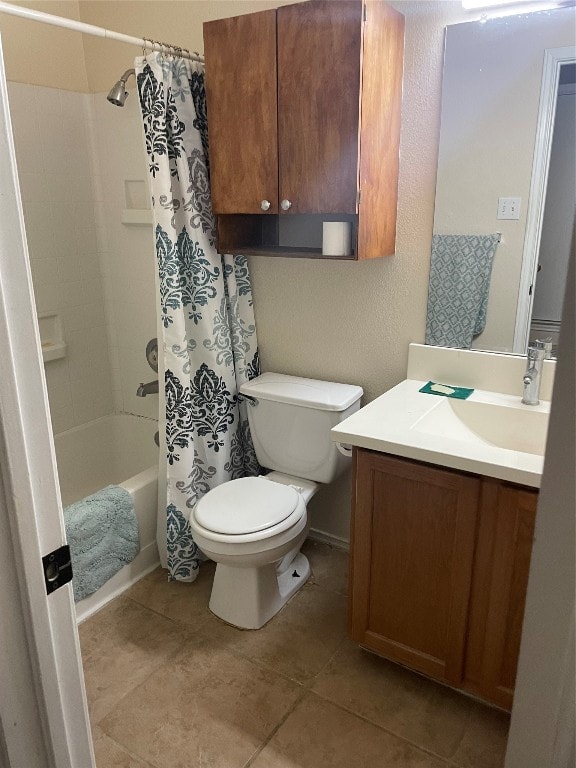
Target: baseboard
329, 538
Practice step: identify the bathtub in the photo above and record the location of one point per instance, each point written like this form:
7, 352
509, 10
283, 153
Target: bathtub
113, 450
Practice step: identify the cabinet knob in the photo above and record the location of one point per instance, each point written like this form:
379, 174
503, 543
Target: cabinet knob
265, 204
285, 205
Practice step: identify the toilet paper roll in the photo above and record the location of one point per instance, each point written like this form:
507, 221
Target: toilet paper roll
336, 238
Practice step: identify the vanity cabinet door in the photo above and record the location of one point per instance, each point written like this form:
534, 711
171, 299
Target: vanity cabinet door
241, 94
504, 549
413, 535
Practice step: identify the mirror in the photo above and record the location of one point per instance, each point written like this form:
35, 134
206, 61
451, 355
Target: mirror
501, 82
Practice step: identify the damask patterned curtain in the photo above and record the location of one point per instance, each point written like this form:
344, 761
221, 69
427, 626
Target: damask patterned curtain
209, 341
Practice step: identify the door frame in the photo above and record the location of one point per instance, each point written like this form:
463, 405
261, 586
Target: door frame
43, 712
554, 58
542, 726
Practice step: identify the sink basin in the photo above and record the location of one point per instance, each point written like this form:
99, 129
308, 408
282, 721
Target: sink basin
510, 426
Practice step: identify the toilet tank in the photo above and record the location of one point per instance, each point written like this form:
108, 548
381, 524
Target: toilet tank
290, 421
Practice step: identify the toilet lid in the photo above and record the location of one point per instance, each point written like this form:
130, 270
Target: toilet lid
246, 505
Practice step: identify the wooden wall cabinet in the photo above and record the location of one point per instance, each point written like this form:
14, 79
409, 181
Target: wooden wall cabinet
304, 119
439, 571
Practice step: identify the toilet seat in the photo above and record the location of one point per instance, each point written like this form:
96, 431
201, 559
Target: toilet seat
248, 509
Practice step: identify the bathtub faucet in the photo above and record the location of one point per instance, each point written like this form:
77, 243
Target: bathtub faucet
147, 389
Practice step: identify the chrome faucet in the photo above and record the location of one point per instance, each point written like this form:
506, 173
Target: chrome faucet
533, 374
148, 389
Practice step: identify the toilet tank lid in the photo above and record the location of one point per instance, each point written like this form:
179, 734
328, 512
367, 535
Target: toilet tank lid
307, 393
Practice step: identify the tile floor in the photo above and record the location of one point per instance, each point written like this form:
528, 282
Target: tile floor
170, 686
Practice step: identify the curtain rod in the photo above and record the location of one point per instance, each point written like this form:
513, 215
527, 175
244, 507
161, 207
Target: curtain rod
91, 29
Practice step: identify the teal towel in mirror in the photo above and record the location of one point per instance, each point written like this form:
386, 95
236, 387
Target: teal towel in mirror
460, 270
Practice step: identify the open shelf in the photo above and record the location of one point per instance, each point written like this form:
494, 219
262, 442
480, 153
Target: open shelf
292, 235
284, 250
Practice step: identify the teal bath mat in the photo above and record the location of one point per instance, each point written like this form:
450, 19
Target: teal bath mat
102, 533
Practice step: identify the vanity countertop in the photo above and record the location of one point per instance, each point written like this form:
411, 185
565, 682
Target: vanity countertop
462, 434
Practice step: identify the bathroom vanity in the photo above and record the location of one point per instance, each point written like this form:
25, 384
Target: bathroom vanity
444, 504
304, 128
440, 563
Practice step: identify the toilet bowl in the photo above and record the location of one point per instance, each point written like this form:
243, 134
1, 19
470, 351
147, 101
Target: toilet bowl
253, 527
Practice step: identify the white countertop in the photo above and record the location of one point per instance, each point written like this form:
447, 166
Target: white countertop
395, 423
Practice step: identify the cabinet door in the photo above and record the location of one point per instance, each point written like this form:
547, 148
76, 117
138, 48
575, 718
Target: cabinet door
383, 59
412, 552
319, 52
504, 549
242, 112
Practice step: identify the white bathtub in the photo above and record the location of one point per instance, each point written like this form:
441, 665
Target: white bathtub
114, 450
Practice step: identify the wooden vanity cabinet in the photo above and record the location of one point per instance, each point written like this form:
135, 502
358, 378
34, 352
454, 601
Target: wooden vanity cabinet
439, 571
304, 119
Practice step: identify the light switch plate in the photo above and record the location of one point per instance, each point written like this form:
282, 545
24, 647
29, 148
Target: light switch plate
509, 207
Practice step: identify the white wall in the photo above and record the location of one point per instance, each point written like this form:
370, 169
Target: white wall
126, 252
53, 149
75, 153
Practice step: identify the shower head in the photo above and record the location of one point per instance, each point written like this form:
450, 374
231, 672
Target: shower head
118, 94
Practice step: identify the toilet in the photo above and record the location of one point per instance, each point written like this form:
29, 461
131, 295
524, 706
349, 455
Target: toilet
253, 527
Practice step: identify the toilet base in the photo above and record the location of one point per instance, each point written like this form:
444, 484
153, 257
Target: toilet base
250, 597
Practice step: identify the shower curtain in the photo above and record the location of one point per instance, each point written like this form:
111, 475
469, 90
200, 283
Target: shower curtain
209, 335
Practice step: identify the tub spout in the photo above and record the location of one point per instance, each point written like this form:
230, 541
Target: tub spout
147, 389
